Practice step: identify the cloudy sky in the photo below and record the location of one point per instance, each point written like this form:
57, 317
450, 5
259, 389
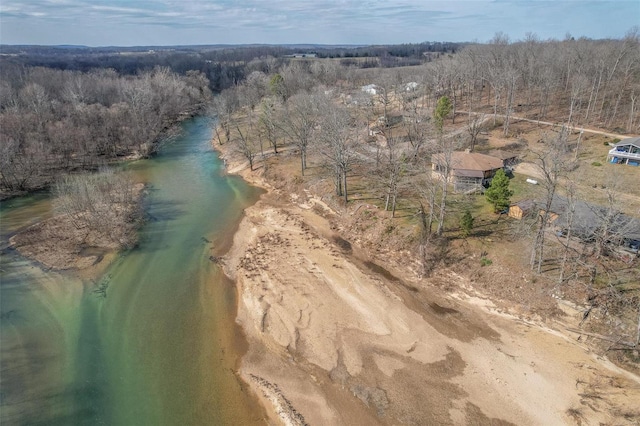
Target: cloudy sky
180, 22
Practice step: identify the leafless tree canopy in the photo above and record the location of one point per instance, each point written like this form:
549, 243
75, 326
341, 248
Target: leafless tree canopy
54, 121
105, 202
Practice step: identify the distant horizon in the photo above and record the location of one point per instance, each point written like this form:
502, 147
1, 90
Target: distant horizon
133, 23
290, 45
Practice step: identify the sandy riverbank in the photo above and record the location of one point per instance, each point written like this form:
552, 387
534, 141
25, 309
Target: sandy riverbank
332, 342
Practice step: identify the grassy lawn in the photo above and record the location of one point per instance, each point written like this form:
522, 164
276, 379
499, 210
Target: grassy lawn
522, 190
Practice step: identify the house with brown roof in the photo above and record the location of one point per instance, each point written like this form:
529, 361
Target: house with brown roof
469, 171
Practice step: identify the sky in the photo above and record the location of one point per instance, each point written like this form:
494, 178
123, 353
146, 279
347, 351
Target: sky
190, 22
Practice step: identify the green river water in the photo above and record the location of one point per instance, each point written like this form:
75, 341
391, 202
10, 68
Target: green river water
161, 348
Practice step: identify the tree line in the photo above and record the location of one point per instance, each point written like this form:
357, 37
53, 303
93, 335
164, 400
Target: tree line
53, 122
584, 81
224, 66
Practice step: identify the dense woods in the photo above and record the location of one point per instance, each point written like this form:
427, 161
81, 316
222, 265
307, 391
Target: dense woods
70, 108
54, 121
573, 82
583, 81
224, 66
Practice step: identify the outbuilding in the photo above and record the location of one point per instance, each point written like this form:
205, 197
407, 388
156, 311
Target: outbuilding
522, 209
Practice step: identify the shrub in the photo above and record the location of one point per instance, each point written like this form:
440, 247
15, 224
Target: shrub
485, 262
466, 223
596, 164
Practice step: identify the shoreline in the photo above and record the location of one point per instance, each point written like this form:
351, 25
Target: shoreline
351, 362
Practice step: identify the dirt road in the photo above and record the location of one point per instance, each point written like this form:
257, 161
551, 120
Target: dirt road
514, 118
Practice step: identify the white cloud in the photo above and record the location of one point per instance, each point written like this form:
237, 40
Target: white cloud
109, 22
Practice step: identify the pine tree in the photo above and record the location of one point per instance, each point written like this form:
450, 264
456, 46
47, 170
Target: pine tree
443, 108
499, 194
466, 223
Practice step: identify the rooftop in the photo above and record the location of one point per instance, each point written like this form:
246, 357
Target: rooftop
633, 141
503, 155
525, 205
470, 164
587, 218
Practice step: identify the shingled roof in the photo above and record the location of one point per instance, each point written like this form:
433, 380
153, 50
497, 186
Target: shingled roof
503, 155
629, 141
588, 217
469, 164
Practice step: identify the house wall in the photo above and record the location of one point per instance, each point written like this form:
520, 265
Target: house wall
466, 184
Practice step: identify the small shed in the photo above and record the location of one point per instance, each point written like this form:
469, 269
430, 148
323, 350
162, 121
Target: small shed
521, 209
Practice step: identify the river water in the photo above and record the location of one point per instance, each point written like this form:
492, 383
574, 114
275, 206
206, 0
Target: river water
162, 347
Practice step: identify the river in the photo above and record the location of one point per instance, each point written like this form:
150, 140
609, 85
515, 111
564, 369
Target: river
161, 348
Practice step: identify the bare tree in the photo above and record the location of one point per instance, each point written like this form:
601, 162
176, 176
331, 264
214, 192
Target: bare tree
427, 186
511, 78
302, 113
393, 167
251, 91
568, 231
553, 166
417, 126
338, 135
442, 156
246, 146
269, 122
578, 86
475, 125
223, 107
296, 78
611, 225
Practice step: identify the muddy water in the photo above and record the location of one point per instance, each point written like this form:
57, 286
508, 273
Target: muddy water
161, 348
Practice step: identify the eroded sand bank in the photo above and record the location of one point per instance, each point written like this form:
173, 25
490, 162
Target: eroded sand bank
331, 342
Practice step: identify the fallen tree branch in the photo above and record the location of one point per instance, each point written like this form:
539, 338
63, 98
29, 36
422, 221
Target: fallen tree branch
601, 337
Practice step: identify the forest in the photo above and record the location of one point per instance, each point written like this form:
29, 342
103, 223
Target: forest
57, 121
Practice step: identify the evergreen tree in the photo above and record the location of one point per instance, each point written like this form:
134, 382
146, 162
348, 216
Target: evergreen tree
443, 108
466, 223
277, 87
499, 194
